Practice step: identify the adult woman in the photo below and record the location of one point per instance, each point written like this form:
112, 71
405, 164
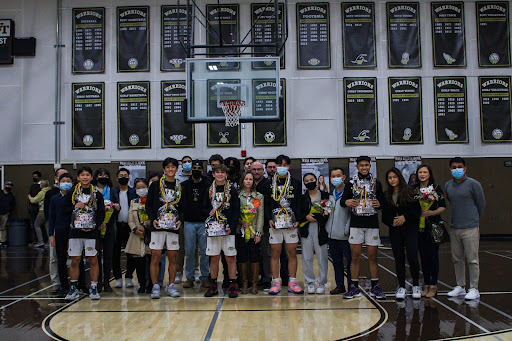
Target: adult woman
429, 252
401, 213
137, 246
249, 232
322, 185
314, 236
40, 219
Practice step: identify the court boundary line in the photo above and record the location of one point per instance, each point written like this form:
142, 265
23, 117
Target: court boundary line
23, 284
209, 310
496, 254
215, 316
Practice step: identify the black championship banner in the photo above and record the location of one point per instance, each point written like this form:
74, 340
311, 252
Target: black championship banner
264, 31
493, 34
358, 28
495, 110
133, 115
448, 38
223, 26
313, 36
360, 96
88, 116
450, 106
269, 134
88, 40
132, 39
404, 50
175, 132
175, 34
405, 113
218, 134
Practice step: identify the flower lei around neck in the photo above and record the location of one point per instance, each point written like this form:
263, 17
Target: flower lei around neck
364, 193
77, 192
175, 197
213, 191
286, 186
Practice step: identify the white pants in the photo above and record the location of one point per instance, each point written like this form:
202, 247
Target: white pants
310, 246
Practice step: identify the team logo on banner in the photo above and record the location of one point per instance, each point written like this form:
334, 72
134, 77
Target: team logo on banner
176, 62
405, 58
223, 137
88, 140
407, 134
313, 61
494, 58
363, 135
451, 135
134, 139
449, 59
133, 63
177, 138
269, 136
360, 59
497, 134
88, 64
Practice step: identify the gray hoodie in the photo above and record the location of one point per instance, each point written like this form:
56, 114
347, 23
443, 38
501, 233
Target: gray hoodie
338, 224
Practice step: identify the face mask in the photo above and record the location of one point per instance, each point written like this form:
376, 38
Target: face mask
311, 185
187, 167
336, 182
8, 189
282, 171
66, 186
458, 173
142, 192
103, 181
123, 181
196, 174
36, 180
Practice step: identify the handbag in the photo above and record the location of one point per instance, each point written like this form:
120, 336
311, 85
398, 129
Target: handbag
438, 232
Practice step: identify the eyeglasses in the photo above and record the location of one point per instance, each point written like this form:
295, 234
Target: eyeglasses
257, 169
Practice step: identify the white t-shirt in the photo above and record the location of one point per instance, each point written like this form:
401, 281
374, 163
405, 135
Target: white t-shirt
123, 201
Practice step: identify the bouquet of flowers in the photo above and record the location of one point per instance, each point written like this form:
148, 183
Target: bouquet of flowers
247, 214
109, 210
325, 208
426, 196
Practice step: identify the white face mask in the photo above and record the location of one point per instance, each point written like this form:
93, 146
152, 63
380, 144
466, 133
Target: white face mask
142, 192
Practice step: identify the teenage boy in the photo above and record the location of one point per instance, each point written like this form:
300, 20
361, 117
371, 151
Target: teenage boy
466, 197
87, 209
222, 203
363, 195
213, 161
282, 199
164, 209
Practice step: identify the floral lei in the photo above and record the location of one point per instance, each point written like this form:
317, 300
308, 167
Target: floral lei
225, 199
77, 192
285, 188
364, 194
175, 199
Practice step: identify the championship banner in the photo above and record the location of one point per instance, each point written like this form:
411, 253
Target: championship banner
493, 34
133, 39
405, 110
268, 134
495, 108
264, 30
313, 36
88, 40
175, 34
358, 28
403, 19
360, 96
223, 26
408, 166
133, 115
218, 134
88, 116
450, 106
175, 132
448, 38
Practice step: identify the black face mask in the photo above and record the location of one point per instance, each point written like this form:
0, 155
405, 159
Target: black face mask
103, 181
123, 181
8, 189
196, 174
35, 180
310, 185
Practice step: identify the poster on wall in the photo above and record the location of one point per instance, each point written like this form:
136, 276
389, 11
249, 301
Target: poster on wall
360, 99
6, 41
448, 37
269, 134
223, 27
358, 27
175, 35
264, 32
88, 40
176, 133
403, 19
408, 165
133, 115
218, 134
495, 108
450, 107
133, 39
352, 169
493, 34
88, 116
137, 170
320, 169
313, 36
405, 110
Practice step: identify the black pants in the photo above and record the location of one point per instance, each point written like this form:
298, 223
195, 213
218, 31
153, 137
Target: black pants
402, 239
339, 249
247, 251
123, 232
429, 253
137, 264
105, 254
61, 247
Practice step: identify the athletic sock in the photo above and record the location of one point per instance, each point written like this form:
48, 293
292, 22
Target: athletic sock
375, 282
232, 281
292, 279
355, 283
74, 284
94, 284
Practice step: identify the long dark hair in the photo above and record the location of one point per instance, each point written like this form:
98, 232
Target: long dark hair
404, 192
99, 172
431, 180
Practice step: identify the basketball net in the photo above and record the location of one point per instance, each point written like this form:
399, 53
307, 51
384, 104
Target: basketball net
232, 110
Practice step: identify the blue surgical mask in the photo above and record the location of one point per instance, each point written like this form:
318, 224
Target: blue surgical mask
336, 182
282, 171
187, 167
458, 173
65, 186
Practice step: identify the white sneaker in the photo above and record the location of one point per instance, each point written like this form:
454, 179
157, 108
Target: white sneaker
457, 291
416, 292
129, 283
472, 294
179, 278
311, 288
155, 292
400, 293
119, 283
172, 291
320, 290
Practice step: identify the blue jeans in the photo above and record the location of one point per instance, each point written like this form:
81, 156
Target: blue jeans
338, 249
195, 232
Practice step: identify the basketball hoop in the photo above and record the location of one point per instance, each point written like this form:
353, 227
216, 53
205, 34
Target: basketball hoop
232, 109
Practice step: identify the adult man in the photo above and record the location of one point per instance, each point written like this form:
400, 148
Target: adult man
186, 169
194, 191
33, 209
466, 197
270, 168
182, 176
363, 194
283, 204
7, 205
213, 161
247, 163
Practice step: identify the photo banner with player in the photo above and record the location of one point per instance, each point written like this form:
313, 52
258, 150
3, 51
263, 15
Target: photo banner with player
360, 99
493, 34
403, 25
88, 40
133, 115
269, 134
175, 35
495, 109
448, 37
450, 107
358, 28
133, 39
176, 133
88, 116
405, 110
313, 36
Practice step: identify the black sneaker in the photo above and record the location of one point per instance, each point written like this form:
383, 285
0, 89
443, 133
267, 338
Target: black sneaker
148, 289
225, 284
266, 286
212, 291
232, 291
141, 290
